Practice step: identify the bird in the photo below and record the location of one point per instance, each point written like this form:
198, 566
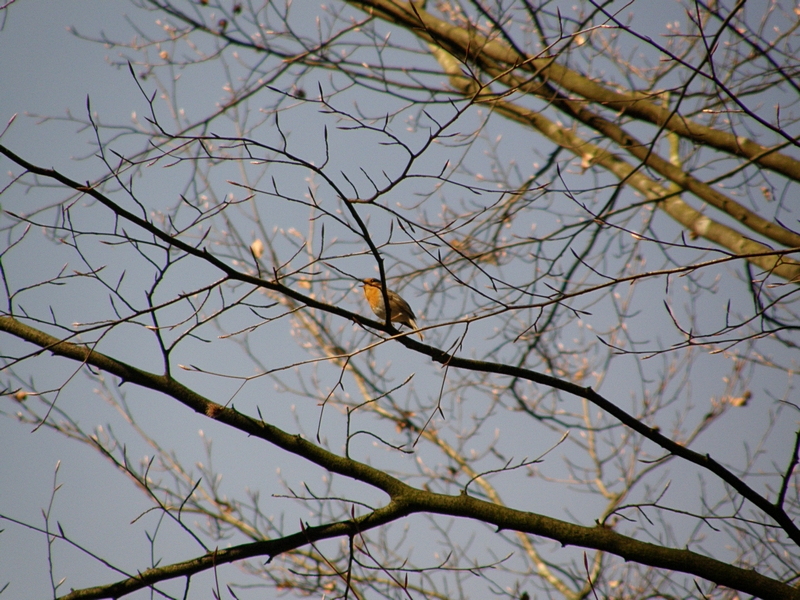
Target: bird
401, 311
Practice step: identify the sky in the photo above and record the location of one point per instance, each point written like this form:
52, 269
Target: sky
47, 71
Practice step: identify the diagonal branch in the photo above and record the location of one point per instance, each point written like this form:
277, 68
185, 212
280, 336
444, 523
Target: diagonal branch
499, 62
667, 200
470, 45
405, 500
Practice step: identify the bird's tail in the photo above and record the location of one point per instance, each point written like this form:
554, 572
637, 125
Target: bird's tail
413, 325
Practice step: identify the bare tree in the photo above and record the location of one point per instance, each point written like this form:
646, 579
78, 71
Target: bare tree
592, 210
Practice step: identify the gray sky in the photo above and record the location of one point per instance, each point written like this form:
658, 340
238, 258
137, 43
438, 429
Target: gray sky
47, 71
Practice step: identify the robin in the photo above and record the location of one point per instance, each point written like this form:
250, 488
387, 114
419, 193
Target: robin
401, 311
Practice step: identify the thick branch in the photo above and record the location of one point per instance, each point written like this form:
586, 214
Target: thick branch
169, 386
469, 45
405, 499
672, 204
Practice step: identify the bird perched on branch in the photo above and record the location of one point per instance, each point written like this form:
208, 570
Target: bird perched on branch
401, 311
